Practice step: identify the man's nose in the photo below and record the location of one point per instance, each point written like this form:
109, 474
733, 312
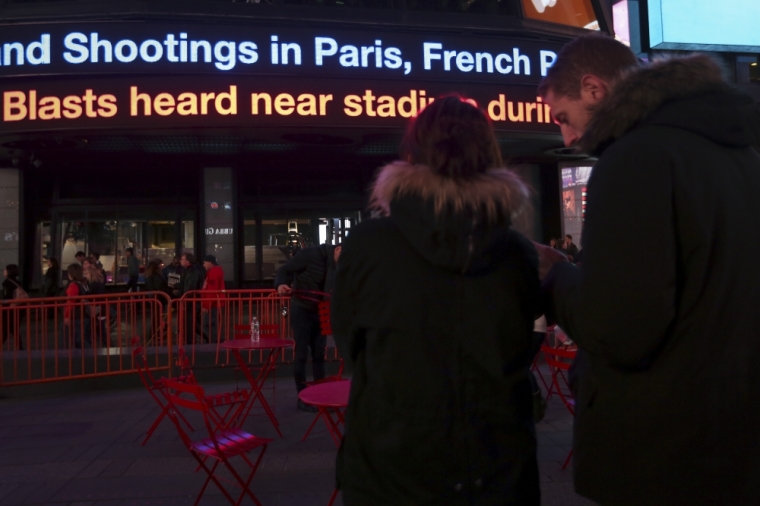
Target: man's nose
569, 137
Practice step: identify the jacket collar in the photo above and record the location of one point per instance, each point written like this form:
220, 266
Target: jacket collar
643, 91
497, 196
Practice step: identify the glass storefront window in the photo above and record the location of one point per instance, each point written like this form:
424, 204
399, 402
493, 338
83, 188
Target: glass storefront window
161, 241
151, 240
250, 266
188, 237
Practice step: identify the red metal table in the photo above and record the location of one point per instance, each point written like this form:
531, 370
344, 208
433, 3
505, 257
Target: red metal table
328, 398
272, 344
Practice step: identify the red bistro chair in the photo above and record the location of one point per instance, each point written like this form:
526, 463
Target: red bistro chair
559, 361
155, 386
226, 407
219, 447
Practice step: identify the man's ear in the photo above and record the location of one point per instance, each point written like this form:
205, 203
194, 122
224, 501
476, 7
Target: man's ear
593, 89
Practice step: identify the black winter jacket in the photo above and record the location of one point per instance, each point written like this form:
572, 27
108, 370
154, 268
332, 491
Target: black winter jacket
665, 302
310, 269
440, 404
192, 279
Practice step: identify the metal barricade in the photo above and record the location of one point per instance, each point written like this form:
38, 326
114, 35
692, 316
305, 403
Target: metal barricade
205, 319
61, 338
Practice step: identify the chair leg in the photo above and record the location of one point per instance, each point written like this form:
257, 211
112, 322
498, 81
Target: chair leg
567, 460
164, 411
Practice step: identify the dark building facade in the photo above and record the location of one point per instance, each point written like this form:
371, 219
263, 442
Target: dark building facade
248, 130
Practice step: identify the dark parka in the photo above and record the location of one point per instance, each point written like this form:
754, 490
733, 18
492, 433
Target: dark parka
192, 279
666, 301
434, 306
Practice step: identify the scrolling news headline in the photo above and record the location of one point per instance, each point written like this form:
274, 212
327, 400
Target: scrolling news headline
93, 48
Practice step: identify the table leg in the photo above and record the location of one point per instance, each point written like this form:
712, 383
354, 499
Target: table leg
332, 425
256, 385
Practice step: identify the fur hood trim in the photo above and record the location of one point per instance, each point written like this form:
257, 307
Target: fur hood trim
498, 196
643, 90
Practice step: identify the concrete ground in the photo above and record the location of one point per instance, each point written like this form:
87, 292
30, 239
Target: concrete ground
83, 449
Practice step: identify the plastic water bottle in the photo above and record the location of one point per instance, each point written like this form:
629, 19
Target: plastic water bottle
255, 330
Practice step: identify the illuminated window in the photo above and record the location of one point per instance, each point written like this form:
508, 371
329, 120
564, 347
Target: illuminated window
578, 13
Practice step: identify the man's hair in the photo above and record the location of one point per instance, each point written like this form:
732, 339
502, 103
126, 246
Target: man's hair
594, 54
80, 254
569, 237
13, 271
189, 257
76, 272
131, 251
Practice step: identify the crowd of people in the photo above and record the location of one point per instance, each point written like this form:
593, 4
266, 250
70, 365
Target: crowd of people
85, 323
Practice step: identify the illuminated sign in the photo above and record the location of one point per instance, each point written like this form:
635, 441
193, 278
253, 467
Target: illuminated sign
133, 48
245, 101
577, 13
704, 25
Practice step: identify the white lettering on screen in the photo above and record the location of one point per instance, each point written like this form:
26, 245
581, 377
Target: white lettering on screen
95, 48
434, 54
82, 48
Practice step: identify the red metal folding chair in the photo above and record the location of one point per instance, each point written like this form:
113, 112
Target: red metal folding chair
155, 386
226, 407
220, 446
559, 361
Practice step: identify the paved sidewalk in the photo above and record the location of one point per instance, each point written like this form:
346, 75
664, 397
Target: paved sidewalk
84, 449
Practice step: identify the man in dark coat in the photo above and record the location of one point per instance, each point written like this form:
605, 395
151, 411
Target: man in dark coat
665, 301
192, 280
311, 269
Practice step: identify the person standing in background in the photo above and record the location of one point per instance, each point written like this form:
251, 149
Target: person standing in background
570, 249
311, 269
193, 278
212, 306
133, 269
50, 287
11, 284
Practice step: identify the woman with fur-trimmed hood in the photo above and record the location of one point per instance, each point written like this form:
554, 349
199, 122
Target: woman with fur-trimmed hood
434, 305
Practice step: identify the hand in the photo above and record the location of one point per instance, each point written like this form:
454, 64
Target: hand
547, 257
67, 321
284, 290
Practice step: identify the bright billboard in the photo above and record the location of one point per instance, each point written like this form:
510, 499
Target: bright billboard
704, 25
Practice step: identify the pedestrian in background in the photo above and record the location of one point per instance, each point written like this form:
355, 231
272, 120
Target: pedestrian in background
212, 306
96, 310
311, 269
50, 286
440, 410
76, 326
11, 291
173, 275
664, 304
133, 269
193, 278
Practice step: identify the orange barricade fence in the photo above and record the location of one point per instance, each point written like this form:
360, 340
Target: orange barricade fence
205, 319
59, 338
